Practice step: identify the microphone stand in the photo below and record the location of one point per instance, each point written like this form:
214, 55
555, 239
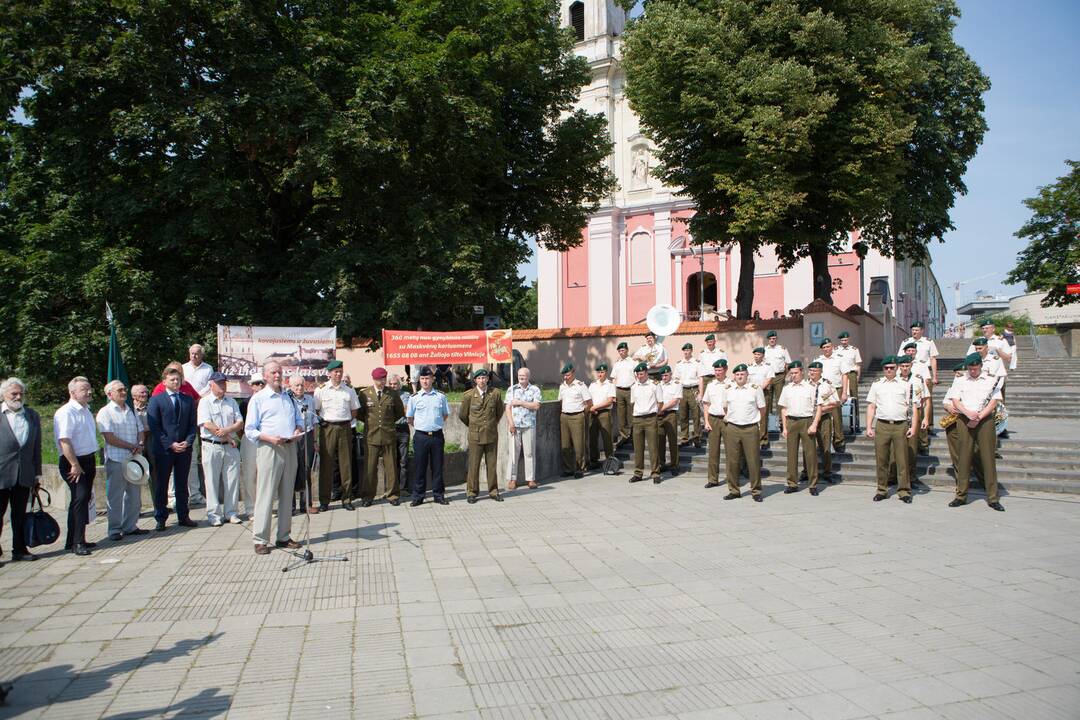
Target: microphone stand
306, 557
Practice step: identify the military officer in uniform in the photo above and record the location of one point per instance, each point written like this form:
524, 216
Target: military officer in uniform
667, 428
778, 358
713, 409
337, 405
800, 416
574, 400
481, 408
646, 398
622, 374
760, 373
603, 394
991, 365
888, 407
687, 374
851, 366
998, 346
952, 433
975, 397
744, 403
832, 370
384, 409
926, 355
652, 354
826, 399
921, 371
706, 358
919, 400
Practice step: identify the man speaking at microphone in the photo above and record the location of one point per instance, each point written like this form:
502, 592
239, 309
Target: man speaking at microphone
273, 423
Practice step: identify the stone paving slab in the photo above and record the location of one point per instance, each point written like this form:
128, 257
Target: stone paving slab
581, 600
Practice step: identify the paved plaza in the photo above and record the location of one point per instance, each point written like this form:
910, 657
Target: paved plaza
583, 599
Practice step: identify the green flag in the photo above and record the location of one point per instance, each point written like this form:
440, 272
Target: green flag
116, 362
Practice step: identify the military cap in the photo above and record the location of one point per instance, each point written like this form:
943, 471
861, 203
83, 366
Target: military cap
650, 333
978, 342
917, 324
568, 367
959, 366
825, 342
888, 360
622, 345
903, 359
843, 334
911, 346
665, 369
973, 359
741, 367
814, 364
986, 321
378, 373
426, 370
601, 366
709, 337
688, 346
795, 364
334, 365
722, 362
480, 373
641, 367
759, 350
771, 333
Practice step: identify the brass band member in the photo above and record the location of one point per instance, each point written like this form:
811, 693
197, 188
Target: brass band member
974, 397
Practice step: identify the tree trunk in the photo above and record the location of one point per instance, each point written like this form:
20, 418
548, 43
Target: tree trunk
744, 298
819, 256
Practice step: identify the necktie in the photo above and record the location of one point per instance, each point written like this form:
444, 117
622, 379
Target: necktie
176, 406
378, 394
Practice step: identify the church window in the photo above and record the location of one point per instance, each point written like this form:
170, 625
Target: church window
577, 20
641, 259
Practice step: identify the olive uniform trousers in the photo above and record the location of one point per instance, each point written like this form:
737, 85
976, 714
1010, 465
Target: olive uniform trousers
978, 444
644, 430
600, 434
743, 447
798, 433
668, 438
716, 436
572, 441
388, 453
890, 446
489, 453
689, 414
624, 409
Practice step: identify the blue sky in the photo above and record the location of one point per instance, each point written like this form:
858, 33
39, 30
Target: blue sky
1029, 50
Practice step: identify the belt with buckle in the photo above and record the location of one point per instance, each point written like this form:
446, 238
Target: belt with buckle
337, 422
892, 422
574, 413
214, 442
430, 433
799, 417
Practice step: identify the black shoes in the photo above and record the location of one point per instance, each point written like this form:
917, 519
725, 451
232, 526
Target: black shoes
656, 480
578, 475
636, 478
348, 505
139, 531
957, 502
996, 506
395, 502
674, 472
115, 537
442, 501
416, 503
188, 522
497, 498
23, 557
732, 496
160, 526
366, 503
905, 499
81, 550
471, 500
790, 490
879, 497
324, 508
712, 484
758, 498
814, 491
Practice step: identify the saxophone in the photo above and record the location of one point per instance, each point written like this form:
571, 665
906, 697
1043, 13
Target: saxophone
1000, 413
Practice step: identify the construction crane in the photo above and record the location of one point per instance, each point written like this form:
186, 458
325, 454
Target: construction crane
960, 283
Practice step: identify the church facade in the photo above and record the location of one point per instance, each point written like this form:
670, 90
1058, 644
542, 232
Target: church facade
636, 249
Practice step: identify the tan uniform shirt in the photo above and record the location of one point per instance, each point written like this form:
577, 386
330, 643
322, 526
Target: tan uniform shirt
799, 399
686, 373
671, 391
974, 394
335, 404
850, 357
759, 374
714, 396
601, 391
831, 369
622, 372
743, 404
892, 399
645, 398
654, 356
574, 396
707, 358
824, 392
925, 349
777, 358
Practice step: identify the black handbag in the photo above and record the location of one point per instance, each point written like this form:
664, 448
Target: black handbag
40, 527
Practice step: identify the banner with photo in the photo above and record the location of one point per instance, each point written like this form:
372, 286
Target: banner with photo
467, 347
244, 349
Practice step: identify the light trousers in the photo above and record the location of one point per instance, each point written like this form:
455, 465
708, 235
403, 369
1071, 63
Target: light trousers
524, 442
248, 472
221, 468
276, 480
123, 499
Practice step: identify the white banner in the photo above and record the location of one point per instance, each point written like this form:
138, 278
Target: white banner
244, 349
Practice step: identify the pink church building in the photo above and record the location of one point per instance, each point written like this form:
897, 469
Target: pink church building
637, 251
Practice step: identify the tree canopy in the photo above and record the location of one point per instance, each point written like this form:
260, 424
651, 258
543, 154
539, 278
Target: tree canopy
794, 122
194, 162
1051, 259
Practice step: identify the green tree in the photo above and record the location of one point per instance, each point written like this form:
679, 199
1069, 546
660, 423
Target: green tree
520, 307
365, 164
793, 122
1051, 259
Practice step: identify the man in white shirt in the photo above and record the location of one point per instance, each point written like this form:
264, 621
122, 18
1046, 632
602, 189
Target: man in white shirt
602, 391
667, 416
76, 439
926, 356
889, 405
832, 371
523, 402
997, 345
220, 423
337, 406
744, 404
622, 374
850, 365
975, 400
800, 413
706, 358
645, 401
687, 374
197, 374
652, 354
826, 400
574, 401
778, 358
919, 400
760, 374
712, 403
125, 435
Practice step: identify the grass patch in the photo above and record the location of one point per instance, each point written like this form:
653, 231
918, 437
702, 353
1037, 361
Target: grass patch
546, 394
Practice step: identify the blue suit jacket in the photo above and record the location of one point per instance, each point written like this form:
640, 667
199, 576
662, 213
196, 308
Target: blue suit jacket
164, 427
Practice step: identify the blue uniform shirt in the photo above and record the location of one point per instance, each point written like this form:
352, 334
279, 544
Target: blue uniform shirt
428, 409
273, 413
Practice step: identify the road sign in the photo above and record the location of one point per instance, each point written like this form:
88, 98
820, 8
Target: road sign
492, 322
1072, 289
478, 309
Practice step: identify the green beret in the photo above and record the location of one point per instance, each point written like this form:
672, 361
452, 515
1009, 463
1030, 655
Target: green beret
911, 346
986, 321
759, 350
334, 365
741, 367
722, 362
795, 364
844, 334
641, 367
825, 342
601, 366
688, 346
959, 366
888, 360
917, 323
568, 367
771, 333
665, 369
903, 359
622, 345
709, 337
650, 333
480, 373
978, 341
814, 364
973, 359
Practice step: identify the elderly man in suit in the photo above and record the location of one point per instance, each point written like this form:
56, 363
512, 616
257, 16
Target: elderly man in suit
20, 461
171, 416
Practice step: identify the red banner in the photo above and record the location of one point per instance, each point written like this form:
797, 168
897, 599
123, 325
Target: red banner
409, 347
1073, 289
